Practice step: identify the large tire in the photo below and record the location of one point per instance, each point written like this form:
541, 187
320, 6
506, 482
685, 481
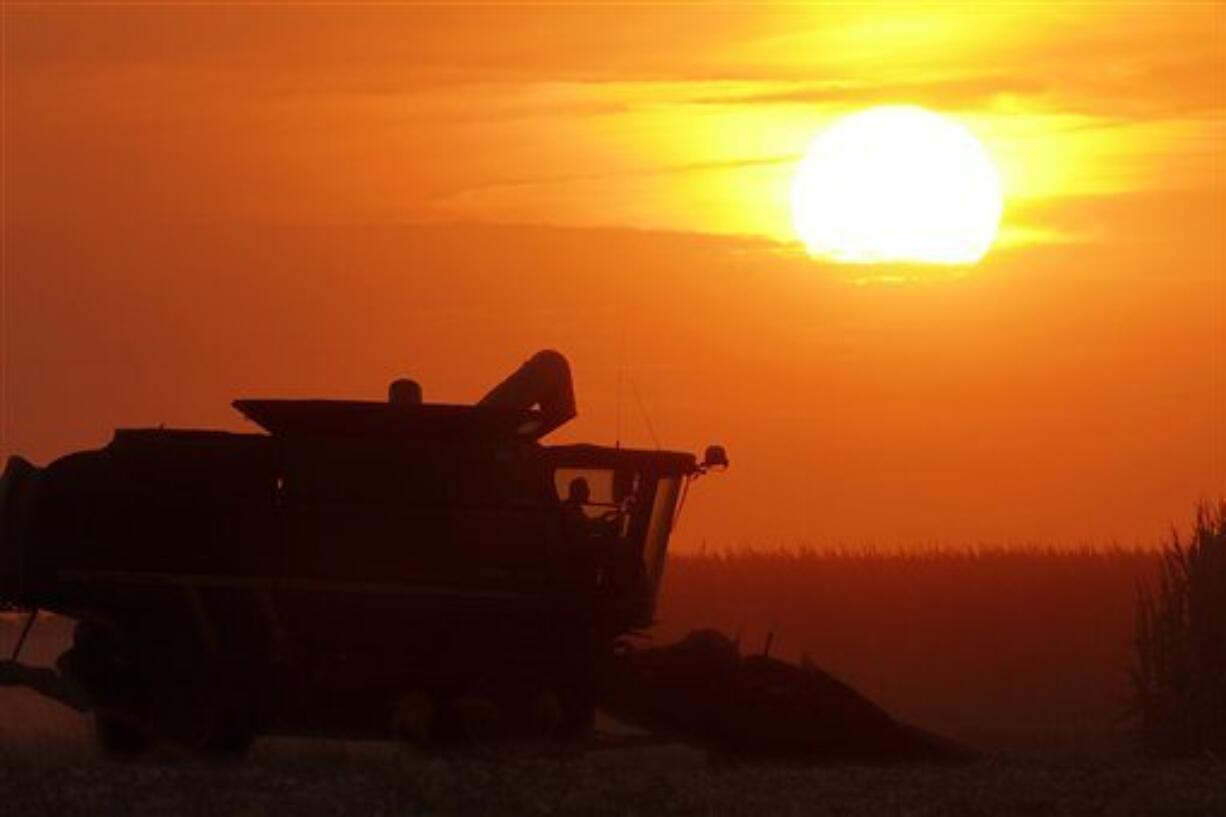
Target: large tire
99, 664
230, 730
179, 699
203, 708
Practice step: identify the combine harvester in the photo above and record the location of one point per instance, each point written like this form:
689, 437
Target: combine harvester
368, 568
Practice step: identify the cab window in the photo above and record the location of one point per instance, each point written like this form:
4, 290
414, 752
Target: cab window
600, 493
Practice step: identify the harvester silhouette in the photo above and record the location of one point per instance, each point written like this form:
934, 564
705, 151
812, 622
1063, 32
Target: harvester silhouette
362, 562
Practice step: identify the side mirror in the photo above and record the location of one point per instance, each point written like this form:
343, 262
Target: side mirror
714, 457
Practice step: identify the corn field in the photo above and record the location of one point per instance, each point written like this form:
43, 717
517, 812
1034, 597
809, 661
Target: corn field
1180, 673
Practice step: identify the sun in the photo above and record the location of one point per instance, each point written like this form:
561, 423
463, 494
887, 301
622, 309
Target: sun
897, 183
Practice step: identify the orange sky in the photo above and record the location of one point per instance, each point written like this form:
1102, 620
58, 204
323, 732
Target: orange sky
209, 201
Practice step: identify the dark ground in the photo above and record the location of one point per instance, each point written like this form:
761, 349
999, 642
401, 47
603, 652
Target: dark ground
61, 777
48, 766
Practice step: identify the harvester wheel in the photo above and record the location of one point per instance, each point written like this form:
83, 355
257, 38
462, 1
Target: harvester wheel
98, 663
203, 710
232, 730
179, 699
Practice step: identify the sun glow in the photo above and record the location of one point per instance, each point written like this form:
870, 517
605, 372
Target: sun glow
897, 183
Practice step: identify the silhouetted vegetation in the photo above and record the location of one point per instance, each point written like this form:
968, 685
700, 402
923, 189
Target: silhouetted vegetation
1180, 671
1004, 648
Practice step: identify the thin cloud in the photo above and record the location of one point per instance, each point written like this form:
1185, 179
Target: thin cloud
635, 173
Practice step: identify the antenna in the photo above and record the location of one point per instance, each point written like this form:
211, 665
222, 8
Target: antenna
638, 398
621, 375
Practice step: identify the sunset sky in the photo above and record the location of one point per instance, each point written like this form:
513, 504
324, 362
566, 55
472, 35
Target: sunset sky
210, 201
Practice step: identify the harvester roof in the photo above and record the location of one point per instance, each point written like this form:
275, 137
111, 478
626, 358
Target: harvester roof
534, 400
594, 456
313, 418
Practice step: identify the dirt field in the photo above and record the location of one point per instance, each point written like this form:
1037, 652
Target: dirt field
61, 777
